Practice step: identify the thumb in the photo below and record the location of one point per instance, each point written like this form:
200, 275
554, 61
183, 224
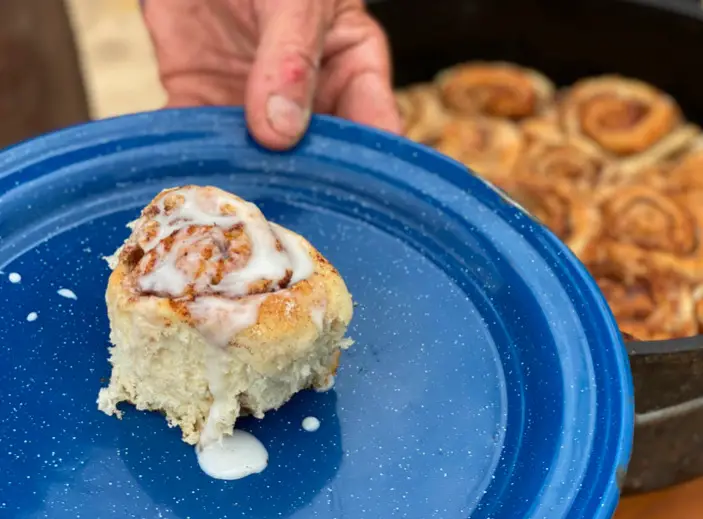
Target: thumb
282, 81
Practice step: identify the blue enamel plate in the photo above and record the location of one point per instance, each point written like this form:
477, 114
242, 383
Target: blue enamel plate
488, 378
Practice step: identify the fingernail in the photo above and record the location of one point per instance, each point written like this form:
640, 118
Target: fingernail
286, 117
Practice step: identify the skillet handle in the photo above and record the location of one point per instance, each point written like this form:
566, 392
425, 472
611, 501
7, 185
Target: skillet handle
660, 415
666, 413
661, 347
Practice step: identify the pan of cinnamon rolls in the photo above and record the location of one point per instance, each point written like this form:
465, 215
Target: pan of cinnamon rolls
594, 130
609, 164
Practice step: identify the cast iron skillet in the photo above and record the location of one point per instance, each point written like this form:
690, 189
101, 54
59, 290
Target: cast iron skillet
656, 41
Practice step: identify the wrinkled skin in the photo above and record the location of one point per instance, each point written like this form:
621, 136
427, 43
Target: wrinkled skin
282, 59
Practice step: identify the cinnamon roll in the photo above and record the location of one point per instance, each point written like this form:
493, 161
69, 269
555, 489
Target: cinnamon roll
647, 307
422, 113
488, 146
567, 214
216, 312
544, 128
631, 121
680, 175
562, 162
647, 231
496, 89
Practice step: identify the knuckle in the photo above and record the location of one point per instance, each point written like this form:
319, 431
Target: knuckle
376, 32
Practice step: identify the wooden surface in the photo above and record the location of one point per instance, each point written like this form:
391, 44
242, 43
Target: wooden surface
40, 80
120, 77
681, 502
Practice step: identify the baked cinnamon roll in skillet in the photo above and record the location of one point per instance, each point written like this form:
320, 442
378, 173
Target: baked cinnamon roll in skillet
495, 89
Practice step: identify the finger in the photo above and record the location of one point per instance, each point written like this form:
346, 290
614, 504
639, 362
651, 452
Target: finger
368, 99
282, 81
357, 79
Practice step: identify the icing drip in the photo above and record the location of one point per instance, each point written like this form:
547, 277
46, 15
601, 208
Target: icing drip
317, 314
220, 319
311, 424
233, 457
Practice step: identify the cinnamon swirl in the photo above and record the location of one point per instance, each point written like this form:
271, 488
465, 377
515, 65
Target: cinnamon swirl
680, 175
567, 214
647, 307
631, 121
216, 312
422, 113
562, 162
646, 231
496, 89
488, 146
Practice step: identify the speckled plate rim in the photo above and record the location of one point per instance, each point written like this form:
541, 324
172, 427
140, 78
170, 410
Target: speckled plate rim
27, 162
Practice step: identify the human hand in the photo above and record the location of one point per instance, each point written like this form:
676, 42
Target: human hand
282, 59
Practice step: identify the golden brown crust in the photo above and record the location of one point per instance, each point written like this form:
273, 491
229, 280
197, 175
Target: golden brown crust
647, 307
488, 146
563, 163
495, 89
680, 175
545, 127
622, 116
422, 113
646, 231
633, 123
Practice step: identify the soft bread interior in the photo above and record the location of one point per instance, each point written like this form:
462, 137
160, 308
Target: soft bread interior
170, 368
